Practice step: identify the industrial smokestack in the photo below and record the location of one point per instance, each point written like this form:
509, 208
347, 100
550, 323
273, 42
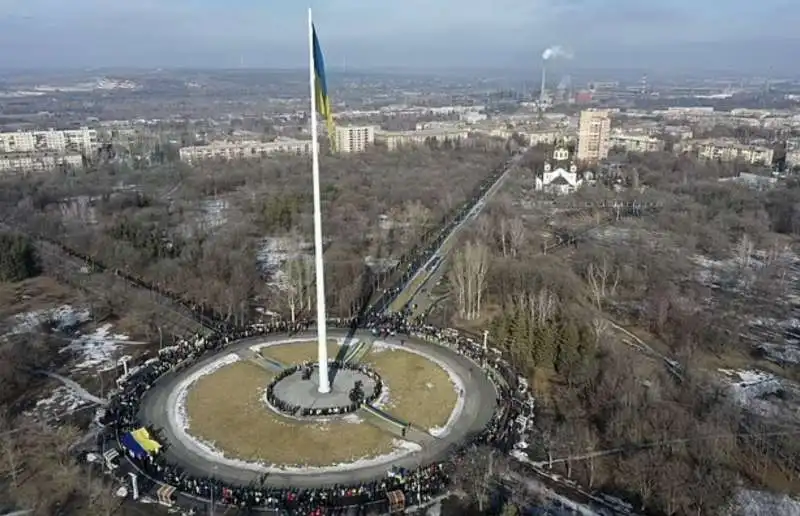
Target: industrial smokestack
544, 80
556, 51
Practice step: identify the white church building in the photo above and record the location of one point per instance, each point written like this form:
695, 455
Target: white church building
560, 177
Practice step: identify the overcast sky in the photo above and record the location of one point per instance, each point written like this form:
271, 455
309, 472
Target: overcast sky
751, 35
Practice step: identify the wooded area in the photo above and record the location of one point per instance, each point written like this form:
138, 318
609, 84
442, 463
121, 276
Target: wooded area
556, 316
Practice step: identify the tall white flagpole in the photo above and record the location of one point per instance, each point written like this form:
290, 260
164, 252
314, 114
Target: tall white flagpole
322, 330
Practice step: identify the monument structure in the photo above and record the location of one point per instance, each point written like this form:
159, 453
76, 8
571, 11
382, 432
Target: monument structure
320, 102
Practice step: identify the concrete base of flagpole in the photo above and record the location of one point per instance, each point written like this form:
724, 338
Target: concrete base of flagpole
295, 392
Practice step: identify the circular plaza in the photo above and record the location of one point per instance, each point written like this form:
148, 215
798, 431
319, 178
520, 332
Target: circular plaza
252, 412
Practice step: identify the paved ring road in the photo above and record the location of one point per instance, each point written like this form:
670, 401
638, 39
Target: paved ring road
479, 405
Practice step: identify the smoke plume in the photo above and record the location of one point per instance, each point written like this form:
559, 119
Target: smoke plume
556, 51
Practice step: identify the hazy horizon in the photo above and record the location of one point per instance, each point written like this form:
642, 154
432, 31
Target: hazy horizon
505, 34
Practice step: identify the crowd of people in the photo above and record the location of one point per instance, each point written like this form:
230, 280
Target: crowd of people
357, 395
418, 485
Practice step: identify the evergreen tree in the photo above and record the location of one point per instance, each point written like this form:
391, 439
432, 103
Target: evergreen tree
18, 259
569, 343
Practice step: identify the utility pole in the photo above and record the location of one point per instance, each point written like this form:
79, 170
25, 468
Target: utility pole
211, 507
485, 347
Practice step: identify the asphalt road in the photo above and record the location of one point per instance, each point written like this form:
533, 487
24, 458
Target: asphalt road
479, 405
422, 297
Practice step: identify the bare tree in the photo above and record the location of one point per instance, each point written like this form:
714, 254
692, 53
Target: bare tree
100, 498
516, 235
8, 446
602, 282
600, 327
475, 475
502, 229
468, 275
744, 251
297, 287
416, 215
458, 278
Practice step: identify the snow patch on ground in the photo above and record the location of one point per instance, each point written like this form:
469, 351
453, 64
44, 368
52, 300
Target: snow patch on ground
760, 503
379, 346
97, 350
778, 339
782, 353
353, 419
61, 318
559, 504
762, 392
458, 385
60, 402
274, 252
214, 213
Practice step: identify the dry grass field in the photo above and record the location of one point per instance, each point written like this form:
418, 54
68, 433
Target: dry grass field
298, 352
420, 391
34, 294
225, 408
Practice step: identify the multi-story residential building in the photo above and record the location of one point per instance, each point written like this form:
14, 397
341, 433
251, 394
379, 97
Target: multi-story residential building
77, 140
727, 150
534, 137
27, 162
354, 138
681, 132
241, 150
637, 143
17, 142
82, 140
793, 159
396, 139
594, 135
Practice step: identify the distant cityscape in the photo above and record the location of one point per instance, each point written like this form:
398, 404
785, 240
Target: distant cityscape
714, 121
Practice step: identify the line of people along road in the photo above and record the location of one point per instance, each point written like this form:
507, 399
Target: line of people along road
419, 485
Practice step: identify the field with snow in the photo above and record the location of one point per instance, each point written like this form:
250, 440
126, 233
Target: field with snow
775, 332
96, 348
759, 503
93, 348
765, 394
274, 252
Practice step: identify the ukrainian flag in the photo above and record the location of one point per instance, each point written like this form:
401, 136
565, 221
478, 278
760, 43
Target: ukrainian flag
143, 439
323, 99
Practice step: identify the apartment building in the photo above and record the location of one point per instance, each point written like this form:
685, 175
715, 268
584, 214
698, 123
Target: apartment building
354, 138
74, 140
793, 158
26, 163
727, 150
397, 139
637, 143
594, 135
534, 137
244, 150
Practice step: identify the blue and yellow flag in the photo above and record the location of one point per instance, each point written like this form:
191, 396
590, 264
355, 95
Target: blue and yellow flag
321, 87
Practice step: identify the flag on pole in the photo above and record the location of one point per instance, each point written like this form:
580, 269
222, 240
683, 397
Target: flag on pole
321, 87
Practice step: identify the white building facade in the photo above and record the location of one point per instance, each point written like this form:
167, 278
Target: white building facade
244, 150
560, 179
354, 138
